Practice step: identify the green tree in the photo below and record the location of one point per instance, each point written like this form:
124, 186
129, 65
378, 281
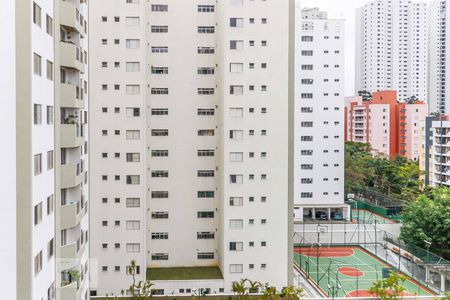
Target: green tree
141, 290
390, 288
428, 219
292, 293
240, 288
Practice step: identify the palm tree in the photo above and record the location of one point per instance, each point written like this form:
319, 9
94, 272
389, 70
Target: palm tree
254, 286
270, 292
239, 288
292, 293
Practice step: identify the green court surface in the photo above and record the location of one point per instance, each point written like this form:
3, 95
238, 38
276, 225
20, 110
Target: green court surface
347, 271
368, 217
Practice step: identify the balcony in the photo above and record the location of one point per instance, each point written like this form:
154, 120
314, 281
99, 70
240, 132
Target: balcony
70, 16
71, 56
71, 136
68, 256
71, 175
71, 215
70, 96
69, 291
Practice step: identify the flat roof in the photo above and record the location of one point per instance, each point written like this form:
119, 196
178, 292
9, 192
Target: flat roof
184, 273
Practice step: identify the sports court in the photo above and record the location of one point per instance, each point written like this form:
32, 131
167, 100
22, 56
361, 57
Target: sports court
347, 271
368, 217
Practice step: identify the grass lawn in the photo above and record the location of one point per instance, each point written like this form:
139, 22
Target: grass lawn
184, 273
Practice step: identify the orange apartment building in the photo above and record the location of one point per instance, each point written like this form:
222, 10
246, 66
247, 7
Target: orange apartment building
390, 127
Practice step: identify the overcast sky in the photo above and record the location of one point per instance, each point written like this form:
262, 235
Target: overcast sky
343, 9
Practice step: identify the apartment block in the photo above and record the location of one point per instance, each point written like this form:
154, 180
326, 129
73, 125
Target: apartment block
189, 143
319, 115
438, 44
44, 197
390, 127
435, 147
392, 48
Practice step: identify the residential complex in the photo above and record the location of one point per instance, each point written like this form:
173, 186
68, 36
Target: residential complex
44, 197
439, 43
390, 127
319, 118
190, 144
392, 48
434, 161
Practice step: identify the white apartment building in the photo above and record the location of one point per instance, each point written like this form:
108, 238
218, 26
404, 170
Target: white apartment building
190, 135
319, 115
392, 48
439, 39
43, 254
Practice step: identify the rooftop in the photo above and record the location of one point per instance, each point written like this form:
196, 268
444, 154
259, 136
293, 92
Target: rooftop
184, 273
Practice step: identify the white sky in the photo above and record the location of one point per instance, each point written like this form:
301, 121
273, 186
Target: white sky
343, 9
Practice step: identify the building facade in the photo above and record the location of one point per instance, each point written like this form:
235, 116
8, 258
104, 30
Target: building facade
190, 105
392, 48
439, 87
319, 119
46, 238
391, 128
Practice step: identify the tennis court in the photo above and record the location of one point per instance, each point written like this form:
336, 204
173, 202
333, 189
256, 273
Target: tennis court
347, 271
368, 217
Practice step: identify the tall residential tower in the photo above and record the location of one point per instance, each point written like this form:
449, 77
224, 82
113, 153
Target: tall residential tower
44, 197
319, 115
392, 48
191, 125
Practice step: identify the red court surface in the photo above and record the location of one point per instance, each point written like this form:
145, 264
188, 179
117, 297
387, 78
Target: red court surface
352, 272
326, 252
366, 293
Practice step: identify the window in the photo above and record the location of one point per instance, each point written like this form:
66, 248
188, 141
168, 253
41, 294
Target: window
205, 50
236, 89
205, 173
160, 215
160, 49
205, 71
205, 91
132, 112
50, 204
160, 7
236, 22
205, 214
205, 235
50, 248
205, 112
49, 115
307, 38
132, 134
160, 132
132, 21
236, 156
160, 91
160, 174
133, 157
236, 201
205, 132
132, 43
160, 28
133, 225
236, 44
38, 213
201, 153
160, 236
160, 194
133, 179
236, 112
236, 67
206, 8
133, 89
37, 114
37, 64
160, 153
236, 2
236, 246
205, 29
133, 247
38, 164
236, 134
205, 194
132, 67
307, 53
236, 268
160, 256
36, 14
49, 160
38, 263
133, 202
236, 179
49, 25
307, 67
236, 223
160, 70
